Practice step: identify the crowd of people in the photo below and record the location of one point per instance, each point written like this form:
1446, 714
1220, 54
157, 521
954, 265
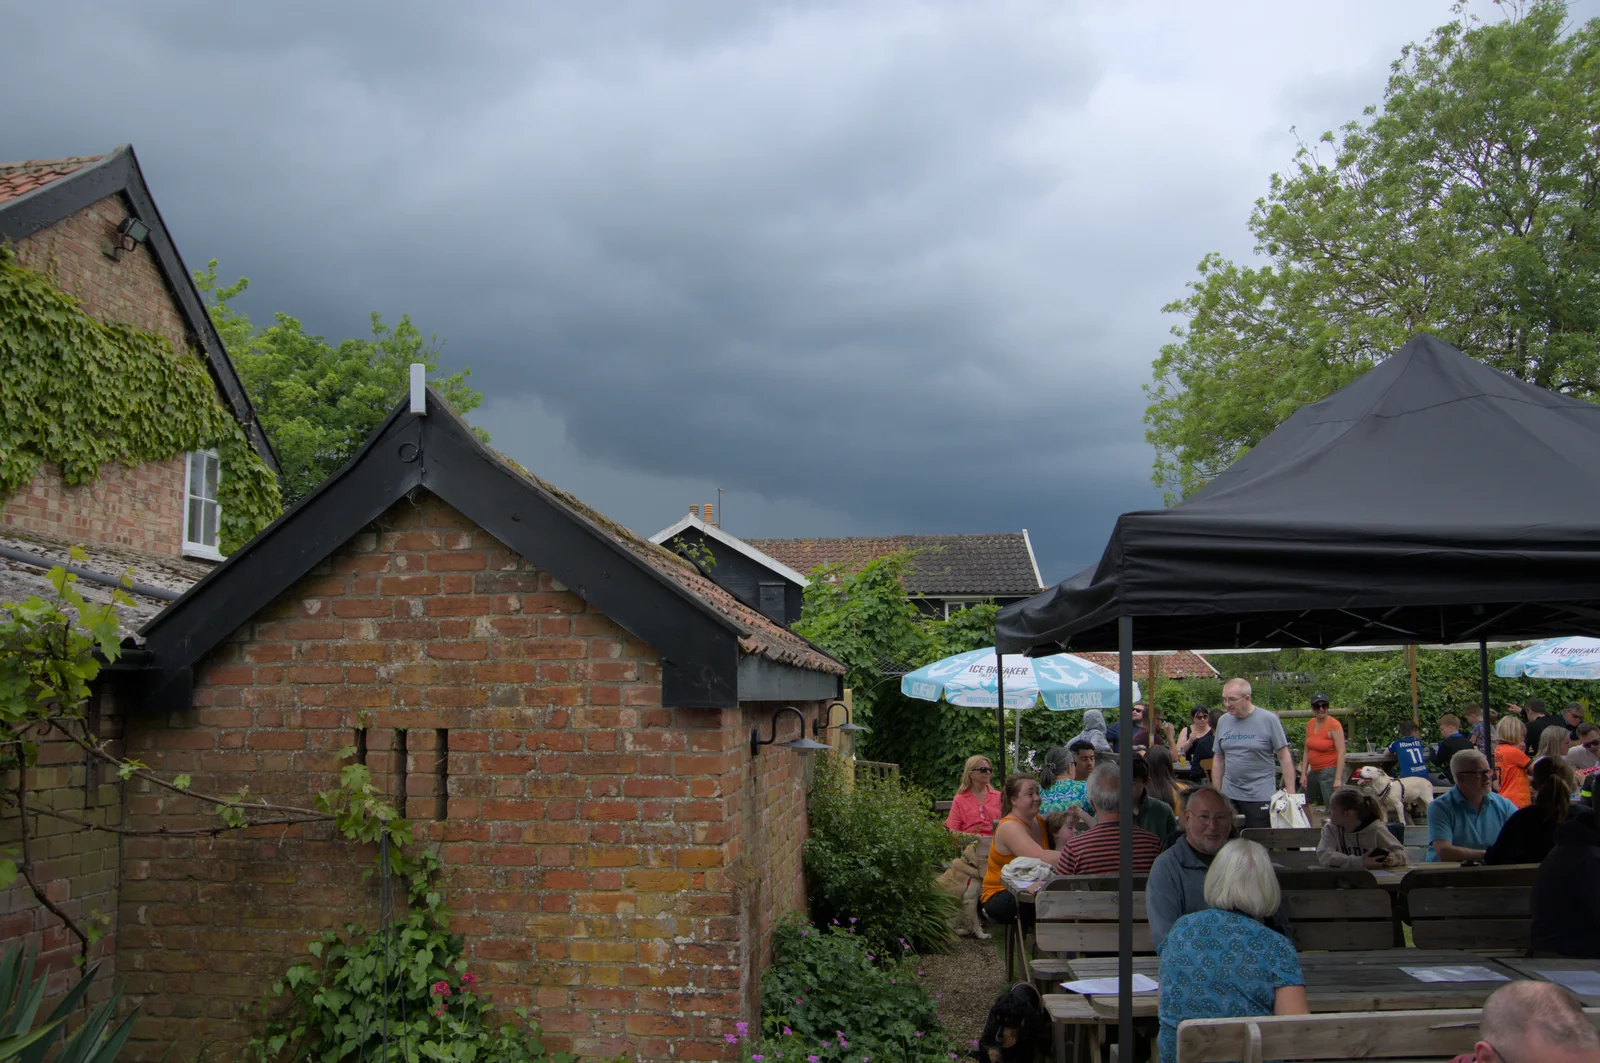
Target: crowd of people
1213, 899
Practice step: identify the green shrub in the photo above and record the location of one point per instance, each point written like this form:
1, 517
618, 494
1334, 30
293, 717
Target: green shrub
871, 857
830, 997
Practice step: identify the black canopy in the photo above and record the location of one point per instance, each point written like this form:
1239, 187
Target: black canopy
1431, 500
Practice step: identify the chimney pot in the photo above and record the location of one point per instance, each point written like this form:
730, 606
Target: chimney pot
694, 510
710, 512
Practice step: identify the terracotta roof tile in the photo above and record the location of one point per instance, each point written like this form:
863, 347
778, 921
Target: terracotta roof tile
19, 178
998, 564
1183, 664
760, 635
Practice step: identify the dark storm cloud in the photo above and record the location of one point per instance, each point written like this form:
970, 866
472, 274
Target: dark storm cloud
870, 267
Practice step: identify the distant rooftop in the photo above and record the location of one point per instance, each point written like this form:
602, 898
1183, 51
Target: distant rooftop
991, 564
20, 178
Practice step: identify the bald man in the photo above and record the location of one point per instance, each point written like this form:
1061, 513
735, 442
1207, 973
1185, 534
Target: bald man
1534, 1022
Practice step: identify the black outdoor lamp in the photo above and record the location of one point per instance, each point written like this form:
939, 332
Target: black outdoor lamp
799, 745
849, 728
130, 234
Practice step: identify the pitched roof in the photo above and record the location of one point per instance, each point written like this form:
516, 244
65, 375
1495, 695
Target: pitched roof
715, 650
998, 564
1178, 664
711, 531
17, 178
27, 557
37, 194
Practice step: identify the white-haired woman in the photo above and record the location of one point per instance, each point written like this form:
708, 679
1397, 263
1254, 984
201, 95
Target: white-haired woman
1223, 962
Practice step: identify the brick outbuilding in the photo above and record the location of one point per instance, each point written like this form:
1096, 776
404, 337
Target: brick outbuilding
563, 707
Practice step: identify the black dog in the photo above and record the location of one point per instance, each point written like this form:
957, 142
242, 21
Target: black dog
1018, 1030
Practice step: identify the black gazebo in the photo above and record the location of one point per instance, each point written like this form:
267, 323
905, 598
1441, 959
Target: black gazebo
1433, 499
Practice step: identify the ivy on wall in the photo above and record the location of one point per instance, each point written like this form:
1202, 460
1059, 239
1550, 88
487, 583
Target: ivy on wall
80, 393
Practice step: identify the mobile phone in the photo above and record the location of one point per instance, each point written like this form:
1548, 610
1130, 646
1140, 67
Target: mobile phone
1381, 854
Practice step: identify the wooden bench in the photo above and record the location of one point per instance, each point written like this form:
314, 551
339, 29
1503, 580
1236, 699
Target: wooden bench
1340, 920
1078, 914
1477, 908
1395, 1035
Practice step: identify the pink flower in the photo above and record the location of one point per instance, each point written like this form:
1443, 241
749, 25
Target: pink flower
788, 1032
758, 1057
814, 1059
797, 1000
439, 1013
468, 981
742, 1027
728, 1037
441, 989
852, 918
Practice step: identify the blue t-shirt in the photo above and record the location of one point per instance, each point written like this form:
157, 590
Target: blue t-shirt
1451, 818
1221, 965
1411, 757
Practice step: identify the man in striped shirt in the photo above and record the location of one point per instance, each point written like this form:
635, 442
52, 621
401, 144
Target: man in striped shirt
1096, 850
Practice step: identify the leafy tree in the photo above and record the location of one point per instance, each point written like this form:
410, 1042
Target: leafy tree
864, 618
1469, 207
317, 402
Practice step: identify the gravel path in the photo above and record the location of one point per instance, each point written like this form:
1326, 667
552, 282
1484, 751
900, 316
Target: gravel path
968, 981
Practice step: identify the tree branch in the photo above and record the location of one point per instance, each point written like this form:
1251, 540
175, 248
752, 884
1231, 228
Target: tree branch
26, 868
177, 832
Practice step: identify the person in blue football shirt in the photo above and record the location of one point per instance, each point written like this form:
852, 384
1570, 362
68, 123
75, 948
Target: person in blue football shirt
1410, 755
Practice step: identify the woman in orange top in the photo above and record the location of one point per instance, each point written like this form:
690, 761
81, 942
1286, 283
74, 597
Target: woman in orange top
1020, 833
1511, 760
1322, 763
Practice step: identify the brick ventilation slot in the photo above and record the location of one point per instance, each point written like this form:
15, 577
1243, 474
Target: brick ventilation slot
442, 795
401, 767
361, 746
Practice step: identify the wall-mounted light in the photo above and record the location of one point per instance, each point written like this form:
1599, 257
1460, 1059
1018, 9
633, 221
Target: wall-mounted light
849, 728
130, 234
799, 745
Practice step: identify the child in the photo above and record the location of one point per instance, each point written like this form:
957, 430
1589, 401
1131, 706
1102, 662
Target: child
1451, 742
1355, 834
1410, 755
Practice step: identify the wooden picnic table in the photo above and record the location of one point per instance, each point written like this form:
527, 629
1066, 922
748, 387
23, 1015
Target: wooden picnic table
1337, 981
1537, 969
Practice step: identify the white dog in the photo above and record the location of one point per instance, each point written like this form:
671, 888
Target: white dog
1403, 800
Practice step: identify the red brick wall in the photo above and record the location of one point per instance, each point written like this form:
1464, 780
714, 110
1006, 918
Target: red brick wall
78, 870
140, 508
614, 863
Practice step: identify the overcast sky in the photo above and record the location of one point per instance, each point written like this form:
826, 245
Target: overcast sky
869, 266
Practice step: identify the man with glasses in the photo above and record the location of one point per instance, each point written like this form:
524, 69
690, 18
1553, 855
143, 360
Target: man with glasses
1464, 821
1572, 716
1251, 748
1533, 1022
1585, 753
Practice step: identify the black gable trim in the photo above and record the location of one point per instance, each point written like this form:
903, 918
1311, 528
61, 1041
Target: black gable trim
117, 173
699, 648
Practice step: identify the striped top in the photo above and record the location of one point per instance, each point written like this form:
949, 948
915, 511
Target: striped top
1095, 851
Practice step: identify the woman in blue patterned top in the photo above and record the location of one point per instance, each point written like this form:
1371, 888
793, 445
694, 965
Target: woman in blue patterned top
1063, 781
1222, 963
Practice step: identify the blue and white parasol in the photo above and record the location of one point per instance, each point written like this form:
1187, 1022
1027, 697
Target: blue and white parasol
970, 679
1574, 657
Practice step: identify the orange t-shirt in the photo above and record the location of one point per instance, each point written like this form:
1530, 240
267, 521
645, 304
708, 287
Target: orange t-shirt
1512, 764
998, 861
1319, 745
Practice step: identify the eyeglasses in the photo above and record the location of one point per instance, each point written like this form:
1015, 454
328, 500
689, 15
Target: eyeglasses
986, 771
1592, 745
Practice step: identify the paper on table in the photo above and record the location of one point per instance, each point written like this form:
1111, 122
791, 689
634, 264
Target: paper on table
1107, 986
1454, 974
1583, 983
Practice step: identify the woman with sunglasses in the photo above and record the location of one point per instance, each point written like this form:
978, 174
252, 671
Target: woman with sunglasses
1197, 742
976, 804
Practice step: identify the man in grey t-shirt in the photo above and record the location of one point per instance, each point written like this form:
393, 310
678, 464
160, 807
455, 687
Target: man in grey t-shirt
1250, 748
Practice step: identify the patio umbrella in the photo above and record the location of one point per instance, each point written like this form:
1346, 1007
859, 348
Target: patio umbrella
1573, 657
975, 680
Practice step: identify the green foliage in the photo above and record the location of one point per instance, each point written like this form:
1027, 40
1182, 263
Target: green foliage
831, 996
317, 402
22, 1040
81, 393
863, 618
1466, 207
405, 995
871, 858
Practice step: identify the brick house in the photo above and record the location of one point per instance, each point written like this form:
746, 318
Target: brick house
564, 707
768, 586
92, 225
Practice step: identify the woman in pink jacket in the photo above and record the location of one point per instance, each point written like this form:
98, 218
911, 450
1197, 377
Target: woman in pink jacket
976, 805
